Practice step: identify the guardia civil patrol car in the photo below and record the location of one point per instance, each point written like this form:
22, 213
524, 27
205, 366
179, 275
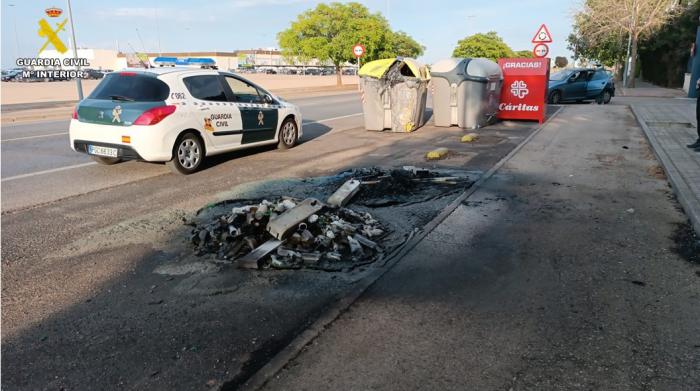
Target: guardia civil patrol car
179, 116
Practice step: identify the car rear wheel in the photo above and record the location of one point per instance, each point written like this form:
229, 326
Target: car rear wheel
288, 136
188, 154
555, 97
107, 161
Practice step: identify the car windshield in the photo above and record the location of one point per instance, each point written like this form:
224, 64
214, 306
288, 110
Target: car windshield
561, 75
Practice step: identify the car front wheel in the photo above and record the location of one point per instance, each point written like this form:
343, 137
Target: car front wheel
188, 154
555, 97
288, 134
607, 97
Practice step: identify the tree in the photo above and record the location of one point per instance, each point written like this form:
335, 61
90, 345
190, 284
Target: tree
602, 19
329, 31
524, 54
488, 45
665, 54
400, 44
609, 50
561, 62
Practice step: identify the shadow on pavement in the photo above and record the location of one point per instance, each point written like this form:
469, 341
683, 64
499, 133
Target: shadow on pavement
190, 328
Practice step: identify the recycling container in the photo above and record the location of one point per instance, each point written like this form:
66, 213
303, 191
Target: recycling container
394, 94
376, 104
466, 92
408, 93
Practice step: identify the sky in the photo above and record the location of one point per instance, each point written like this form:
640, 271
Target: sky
228, 25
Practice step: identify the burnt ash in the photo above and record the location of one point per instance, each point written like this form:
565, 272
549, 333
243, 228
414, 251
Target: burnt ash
687, 243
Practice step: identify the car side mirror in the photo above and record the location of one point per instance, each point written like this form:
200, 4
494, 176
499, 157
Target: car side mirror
268, 99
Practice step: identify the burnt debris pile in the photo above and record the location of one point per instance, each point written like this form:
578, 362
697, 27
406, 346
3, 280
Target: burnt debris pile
291, 234
406, 185
295, 233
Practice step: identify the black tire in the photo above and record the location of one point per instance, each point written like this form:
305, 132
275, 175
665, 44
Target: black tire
107, 161
555, 97
188, 154
607, 97
288, 134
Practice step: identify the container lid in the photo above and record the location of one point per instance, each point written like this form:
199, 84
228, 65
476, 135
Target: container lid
378, 69
456, 70
418, 69
482, 67
447, 65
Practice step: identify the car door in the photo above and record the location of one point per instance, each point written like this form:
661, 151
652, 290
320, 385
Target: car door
219, 119
597, 83
259, 117
576, 86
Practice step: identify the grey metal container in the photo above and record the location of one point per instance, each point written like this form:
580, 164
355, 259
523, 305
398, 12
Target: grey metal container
376, 103
408, 99
466, 92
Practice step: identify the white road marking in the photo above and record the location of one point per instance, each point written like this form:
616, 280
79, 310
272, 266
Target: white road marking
38, 136
332, 119
31, 174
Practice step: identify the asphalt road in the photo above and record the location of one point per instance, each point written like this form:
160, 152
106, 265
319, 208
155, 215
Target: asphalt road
36, 154
101, 291
99, 286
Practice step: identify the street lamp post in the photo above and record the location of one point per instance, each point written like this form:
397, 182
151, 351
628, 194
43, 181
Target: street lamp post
75, 52
628, 60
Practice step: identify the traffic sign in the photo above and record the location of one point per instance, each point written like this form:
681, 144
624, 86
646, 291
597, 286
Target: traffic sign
358, 50
541, 50
542, 35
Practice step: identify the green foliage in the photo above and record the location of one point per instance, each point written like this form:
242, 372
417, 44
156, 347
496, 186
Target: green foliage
524, 54
608, 50
665, 54
329, 31
561, 62
400, 44
488, 45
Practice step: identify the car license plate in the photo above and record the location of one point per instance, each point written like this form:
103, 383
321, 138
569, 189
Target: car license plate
102, 151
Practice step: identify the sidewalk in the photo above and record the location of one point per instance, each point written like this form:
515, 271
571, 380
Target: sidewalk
556, 274
670, 125
646, 89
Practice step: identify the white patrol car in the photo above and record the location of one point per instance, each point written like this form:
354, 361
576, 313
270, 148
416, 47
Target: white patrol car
179, 116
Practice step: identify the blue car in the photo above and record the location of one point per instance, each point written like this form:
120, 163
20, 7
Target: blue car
579, 85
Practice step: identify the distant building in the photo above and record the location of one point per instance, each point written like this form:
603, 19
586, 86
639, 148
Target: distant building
260, 57
251, 58
97, 58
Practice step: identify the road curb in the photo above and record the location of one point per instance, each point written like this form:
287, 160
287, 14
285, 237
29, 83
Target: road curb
678, 184
32, 118
291, 351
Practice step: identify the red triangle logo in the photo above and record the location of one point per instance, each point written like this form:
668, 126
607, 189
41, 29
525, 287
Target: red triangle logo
542, 35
